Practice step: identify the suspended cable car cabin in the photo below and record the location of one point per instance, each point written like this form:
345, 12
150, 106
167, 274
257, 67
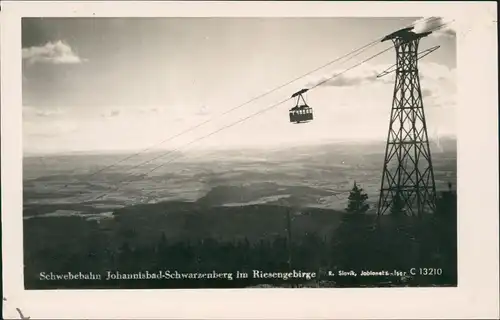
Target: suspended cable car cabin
301, 112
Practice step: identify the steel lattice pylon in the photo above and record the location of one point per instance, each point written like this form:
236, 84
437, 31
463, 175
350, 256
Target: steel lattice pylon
408, 177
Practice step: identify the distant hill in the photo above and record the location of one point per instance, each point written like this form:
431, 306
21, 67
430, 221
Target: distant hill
441, 144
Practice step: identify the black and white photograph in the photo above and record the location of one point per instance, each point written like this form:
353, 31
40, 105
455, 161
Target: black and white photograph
239, 152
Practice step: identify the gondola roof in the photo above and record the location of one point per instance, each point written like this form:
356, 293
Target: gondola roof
298, 93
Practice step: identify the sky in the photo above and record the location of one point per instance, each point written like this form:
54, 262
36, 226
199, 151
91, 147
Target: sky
117, 84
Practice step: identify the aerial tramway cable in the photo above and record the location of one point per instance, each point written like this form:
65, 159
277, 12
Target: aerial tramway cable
240, 121
251, 116
351, 54
347, 56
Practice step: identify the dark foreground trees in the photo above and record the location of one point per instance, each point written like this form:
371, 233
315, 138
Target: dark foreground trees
361, 242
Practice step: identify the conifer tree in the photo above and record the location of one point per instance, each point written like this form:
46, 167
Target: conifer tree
357, 200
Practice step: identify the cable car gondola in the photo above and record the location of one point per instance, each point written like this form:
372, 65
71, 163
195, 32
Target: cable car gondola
301, 112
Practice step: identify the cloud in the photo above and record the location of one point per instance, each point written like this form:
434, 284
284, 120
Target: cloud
426, 92
344, 81
30, 112
49, 129
445, 25
48, 113
367, 73
148, 110
52, 53
203, 111
111, 114
361, 75
438, 84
